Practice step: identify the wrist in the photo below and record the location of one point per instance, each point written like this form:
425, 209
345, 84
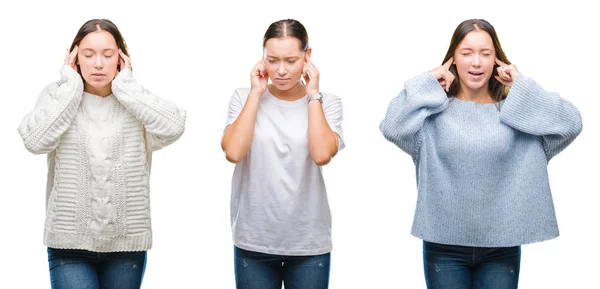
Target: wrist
256, 92
315, 97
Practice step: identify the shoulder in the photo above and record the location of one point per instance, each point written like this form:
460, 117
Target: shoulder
240, 94
331, 100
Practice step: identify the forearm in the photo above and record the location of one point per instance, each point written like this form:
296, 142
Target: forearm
322, 140
530, 109
56, 107
423, 96
160, 118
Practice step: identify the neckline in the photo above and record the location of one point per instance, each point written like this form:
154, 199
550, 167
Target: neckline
473, 103
85, 93
282, 102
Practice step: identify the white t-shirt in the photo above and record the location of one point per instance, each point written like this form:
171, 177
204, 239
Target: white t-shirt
278, 197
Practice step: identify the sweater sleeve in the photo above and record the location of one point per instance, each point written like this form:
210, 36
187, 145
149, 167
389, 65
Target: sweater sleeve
422, 96
532, 110
54, 111
163, 120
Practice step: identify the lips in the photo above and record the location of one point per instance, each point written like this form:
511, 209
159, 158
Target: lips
98, 76
281, 80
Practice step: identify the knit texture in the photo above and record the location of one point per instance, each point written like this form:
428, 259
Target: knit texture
482, 168
99, 158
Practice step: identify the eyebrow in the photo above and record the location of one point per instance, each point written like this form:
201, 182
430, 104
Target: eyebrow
470, 49
106, 49
289, 57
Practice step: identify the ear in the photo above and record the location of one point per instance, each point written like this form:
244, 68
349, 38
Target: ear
307, 54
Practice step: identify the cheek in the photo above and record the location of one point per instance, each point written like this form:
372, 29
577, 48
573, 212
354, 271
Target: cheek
462, 66
298, 67
271, 68
489, 64
85, 63
111, 63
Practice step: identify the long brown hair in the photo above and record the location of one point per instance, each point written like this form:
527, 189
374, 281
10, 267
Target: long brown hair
100, 24
497, 90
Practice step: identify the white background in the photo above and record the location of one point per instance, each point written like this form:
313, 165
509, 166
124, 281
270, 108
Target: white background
197, 55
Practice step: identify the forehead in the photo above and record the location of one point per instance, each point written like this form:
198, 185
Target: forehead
99, 39
477, 39
283, 47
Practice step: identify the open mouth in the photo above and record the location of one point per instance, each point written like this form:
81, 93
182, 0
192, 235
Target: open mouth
475, 73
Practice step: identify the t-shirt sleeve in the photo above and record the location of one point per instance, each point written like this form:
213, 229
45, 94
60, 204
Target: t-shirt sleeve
332, 108
235, 107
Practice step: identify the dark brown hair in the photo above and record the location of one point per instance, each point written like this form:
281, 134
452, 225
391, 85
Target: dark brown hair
287, 27
100, 24
497, 90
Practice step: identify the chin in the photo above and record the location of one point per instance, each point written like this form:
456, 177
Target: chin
99, 85
284, 87
477, 85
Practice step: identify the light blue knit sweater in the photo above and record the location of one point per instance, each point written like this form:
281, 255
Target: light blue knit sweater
482, 172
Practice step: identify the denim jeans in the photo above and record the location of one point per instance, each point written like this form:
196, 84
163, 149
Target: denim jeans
458, 267
81, 269
255, 270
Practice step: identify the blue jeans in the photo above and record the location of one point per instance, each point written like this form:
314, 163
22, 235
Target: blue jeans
458, 267
255, 270
81, 269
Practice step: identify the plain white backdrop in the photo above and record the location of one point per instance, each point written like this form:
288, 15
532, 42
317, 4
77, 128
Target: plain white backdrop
196, 55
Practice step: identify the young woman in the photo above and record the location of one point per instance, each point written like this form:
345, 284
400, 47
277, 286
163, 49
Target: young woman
99, 127
481, 135
279, 135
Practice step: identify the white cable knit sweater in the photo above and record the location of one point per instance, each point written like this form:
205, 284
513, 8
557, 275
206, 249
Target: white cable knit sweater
99, 157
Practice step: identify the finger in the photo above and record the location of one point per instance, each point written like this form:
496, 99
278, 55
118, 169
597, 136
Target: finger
122, 63
512, 70
306, 77
500, 62
305, 69
121, 59
261, 69
126, 59
73, 55
499, 79
448, 63
449, 80
506, 73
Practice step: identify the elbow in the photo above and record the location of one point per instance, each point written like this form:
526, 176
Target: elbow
34, 146
387, 133
178, 132
233, 156
579, 125
321, 159
36, 150
179, 127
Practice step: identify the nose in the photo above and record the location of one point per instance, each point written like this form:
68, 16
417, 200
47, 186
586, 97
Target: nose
476, 60
98, 62
282, 70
